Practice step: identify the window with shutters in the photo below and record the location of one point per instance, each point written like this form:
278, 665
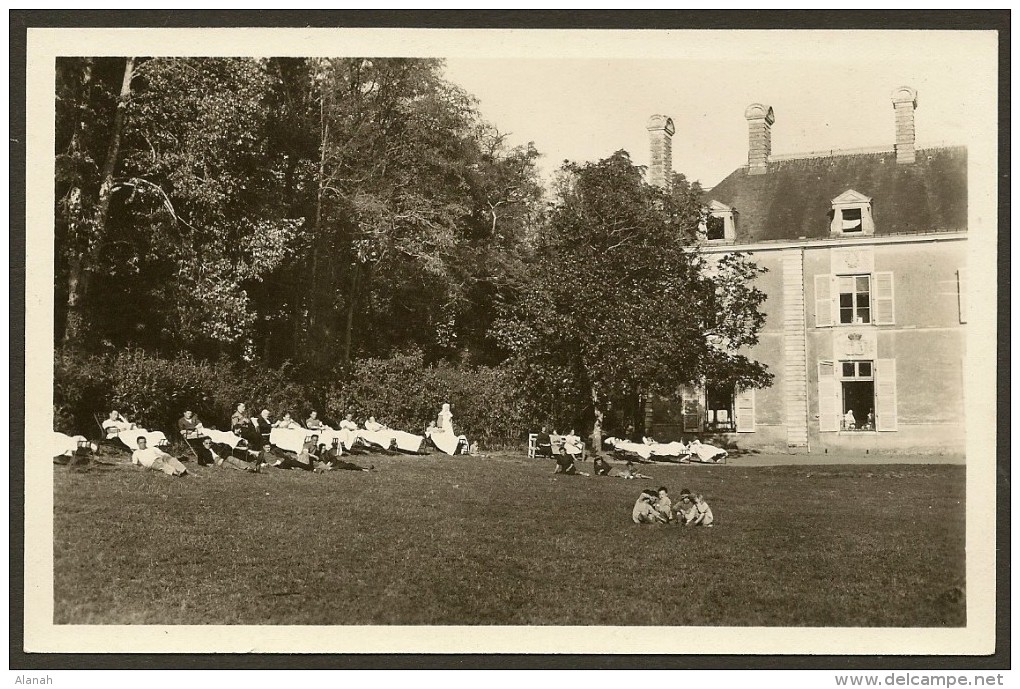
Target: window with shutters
857, 387
719, 407
854, 298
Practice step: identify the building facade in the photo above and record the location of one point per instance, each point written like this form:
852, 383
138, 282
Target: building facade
865, 252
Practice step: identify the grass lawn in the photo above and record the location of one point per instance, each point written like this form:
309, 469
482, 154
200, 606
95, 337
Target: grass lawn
500, 540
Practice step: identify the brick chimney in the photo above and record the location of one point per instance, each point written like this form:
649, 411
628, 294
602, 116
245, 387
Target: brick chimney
904, 102
759, 136
660, 138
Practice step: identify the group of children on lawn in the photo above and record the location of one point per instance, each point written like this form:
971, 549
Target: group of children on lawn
655, 507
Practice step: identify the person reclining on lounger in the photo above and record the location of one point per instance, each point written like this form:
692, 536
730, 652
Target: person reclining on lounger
189, 425
117, 426
314, 423
286, 422
72, 445
239, 419
208, 455
709, 454
155, 459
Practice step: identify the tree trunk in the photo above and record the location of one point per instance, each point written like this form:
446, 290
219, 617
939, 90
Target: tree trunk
79, 266
349, 327
596, 431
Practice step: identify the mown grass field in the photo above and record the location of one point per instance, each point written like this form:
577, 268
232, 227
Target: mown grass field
500, 540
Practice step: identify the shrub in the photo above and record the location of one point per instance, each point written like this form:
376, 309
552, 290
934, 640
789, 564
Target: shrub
490, 404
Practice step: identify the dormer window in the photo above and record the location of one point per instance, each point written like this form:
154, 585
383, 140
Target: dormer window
715, 228
851, 215
720, 223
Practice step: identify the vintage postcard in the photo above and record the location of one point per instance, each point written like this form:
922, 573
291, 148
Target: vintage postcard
511, 341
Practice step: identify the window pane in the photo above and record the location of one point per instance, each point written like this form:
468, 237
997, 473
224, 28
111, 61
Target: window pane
846, 283
846, 315
863, 283
863, 299
846, 300
864, 368
848, 369
864, 315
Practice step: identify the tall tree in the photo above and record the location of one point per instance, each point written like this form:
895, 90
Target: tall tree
619, 303
84, 189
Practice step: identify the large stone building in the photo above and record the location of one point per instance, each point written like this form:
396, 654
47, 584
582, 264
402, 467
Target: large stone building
865, 317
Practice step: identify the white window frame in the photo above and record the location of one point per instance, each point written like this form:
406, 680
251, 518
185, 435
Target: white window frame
838, 307
852, 200
728, 215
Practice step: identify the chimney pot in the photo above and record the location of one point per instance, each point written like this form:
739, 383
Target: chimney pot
904, 101
760, 119
660, 139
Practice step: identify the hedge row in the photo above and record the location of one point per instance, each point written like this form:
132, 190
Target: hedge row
489, 403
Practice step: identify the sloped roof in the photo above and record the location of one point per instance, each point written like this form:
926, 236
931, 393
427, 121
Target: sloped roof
794, 198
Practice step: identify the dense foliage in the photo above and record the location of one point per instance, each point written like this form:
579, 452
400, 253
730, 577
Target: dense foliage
284, 231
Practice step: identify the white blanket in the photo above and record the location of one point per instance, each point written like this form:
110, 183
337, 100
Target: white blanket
388, 437
447, 442
700, 452
223, 437
130, 438
65, 444
640, 449
673, 449
291, 439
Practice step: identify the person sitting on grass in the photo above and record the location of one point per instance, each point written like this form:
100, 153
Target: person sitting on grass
155, 459
267, 457
694, 510
602, 467
565, 464
663, 505
629, 473
644, 509
208, 455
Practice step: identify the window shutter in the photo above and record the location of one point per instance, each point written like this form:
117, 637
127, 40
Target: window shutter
823, 301
884, 314
744, 410
692, 408
885, 395
828, 397
961, 288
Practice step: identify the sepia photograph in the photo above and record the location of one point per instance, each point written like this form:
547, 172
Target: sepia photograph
427, 340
